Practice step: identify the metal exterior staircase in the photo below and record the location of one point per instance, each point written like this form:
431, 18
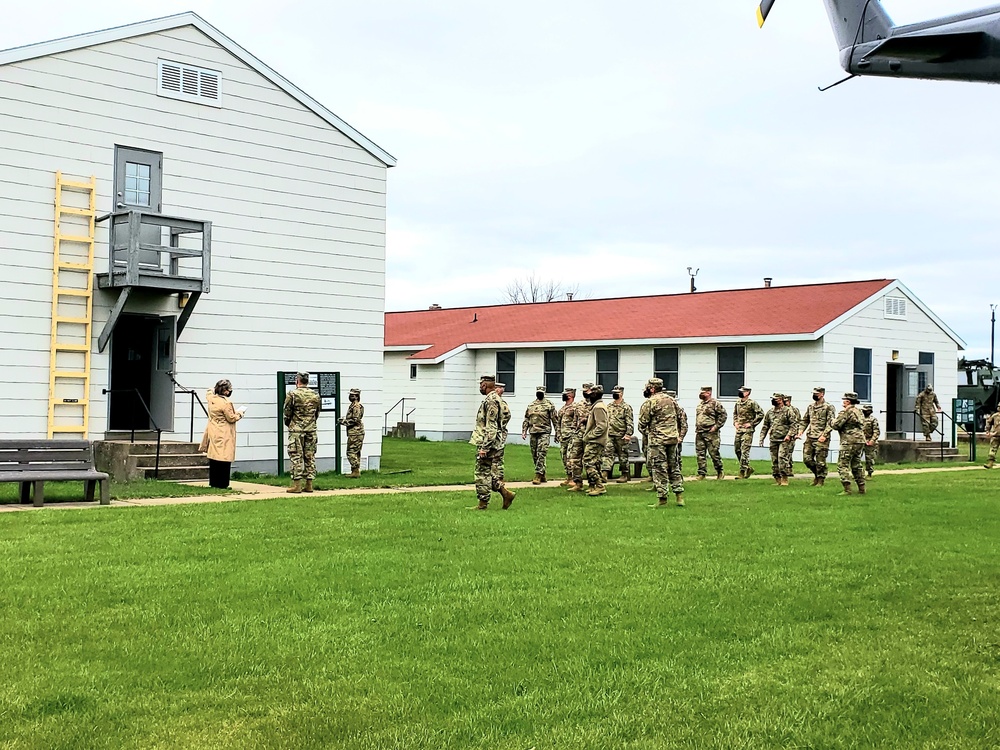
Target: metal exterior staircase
72, 307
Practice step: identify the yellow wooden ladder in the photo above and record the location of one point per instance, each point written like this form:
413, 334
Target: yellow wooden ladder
72, 306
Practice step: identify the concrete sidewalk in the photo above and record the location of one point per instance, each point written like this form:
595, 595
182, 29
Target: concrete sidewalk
251, 491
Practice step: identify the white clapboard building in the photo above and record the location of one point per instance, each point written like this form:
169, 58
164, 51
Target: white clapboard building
872, 337
172, 212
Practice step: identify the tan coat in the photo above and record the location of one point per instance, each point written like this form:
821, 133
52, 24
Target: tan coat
219, 440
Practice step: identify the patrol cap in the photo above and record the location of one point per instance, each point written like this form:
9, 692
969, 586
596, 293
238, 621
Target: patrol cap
866, 407
617, 389
706, 389
777, 395
588, 386
539, 389
787, 397
487, 378
498, 384
355, 391
598, 389
851, 396
570, 390
304, 376
745, 388
819, 389
928, 387
655, 382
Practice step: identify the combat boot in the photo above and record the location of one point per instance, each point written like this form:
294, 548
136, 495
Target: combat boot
847, 489
542, 477
680, 499
861, 488
537, 479
605, 475
702, 477
820, 481
507, 495
741, 475
749, 472
815, 482
355, 474
777, 481
663, 503
598, 490
927, 438
296, 487
309, 486
483, 505
989, 464
575, 487
782, 481
626, 476
720, 474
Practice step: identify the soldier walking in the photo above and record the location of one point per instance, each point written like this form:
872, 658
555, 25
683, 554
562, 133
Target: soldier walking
850, 424
747, 414
993, 430
816, 425
793, 435
504, 421
567, 433
354, 420
621, 425
582, 413
595, 438
486, 437
927, 407
659, 423
708, 420
539, 418
872, 434
682, 431
778, 423
300, 412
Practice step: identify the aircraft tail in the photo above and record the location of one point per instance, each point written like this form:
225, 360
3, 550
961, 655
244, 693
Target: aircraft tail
857, 21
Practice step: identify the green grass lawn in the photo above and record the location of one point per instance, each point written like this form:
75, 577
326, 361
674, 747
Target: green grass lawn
758, 617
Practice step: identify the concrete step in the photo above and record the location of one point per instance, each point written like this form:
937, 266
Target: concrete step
145, 448
936, 454
178, 473
148, 460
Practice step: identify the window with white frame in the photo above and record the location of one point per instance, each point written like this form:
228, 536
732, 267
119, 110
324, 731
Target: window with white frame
607, 368
863, 373
731, 369
555, 370
665, 366
506, 362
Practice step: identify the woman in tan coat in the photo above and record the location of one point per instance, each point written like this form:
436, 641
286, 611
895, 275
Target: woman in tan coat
219, 440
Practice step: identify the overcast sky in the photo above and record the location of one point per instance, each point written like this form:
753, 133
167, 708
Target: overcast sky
613, 145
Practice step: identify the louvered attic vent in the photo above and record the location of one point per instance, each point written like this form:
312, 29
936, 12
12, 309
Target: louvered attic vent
179, 81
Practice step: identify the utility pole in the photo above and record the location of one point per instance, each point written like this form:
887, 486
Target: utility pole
993, 329
692, 275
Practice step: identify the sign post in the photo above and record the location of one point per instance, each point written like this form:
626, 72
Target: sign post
327, 385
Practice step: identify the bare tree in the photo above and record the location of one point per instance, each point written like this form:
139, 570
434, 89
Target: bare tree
533, 289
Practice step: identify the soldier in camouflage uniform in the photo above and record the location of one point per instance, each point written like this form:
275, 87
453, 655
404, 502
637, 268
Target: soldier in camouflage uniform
621, 425
747, 414
300, 412
779, 423
816, 425
568, 432
355, 423
797, 419
872, 433
682, 431
659, 424
644, 418
993, 430
595, 438
582, 412
504, 421
539, 418
927, 407
708, 420
486, 437
850, 424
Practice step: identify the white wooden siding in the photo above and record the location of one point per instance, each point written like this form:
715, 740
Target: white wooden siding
298, 212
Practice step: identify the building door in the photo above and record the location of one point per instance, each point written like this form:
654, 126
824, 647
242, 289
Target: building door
142, 363
139, 185
893, 397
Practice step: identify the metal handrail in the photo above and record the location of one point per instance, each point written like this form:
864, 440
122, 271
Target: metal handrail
159, 432
385, 417
178, 388
916, 420
407, 418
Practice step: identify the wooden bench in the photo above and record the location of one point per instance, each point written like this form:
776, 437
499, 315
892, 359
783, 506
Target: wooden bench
32, 463
636, 459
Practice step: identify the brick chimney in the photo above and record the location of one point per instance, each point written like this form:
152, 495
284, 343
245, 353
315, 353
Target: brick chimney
767, 282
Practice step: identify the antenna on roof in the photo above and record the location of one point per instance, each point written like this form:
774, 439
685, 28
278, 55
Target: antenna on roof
692, 275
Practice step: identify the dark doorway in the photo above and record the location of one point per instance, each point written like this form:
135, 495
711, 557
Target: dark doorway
132, 351
893, 397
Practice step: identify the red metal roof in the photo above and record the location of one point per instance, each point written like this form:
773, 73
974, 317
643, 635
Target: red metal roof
770, 311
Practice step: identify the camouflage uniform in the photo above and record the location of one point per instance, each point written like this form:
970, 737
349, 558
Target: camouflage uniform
659, 424
682, 430
582, 413
709, 418
872, 432
621, 425
927, 407
301, 410
793, 435
815, 424
644, 419
504, 421
487, 438
354, 420
778, 422
993, 430
850, 424
539, 418
747, 414
595, 438
569, 432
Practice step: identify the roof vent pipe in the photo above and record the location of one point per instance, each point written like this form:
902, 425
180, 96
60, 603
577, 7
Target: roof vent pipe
435, 306
767, 282
569, 296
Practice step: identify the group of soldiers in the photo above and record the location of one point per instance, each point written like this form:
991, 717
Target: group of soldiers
593, 435
301, 412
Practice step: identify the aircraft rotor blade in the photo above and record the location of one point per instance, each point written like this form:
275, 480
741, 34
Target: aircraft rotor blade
762, 10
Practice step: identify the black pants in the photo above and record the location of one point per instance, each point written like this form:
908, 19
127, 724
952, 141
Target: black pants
218, 474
